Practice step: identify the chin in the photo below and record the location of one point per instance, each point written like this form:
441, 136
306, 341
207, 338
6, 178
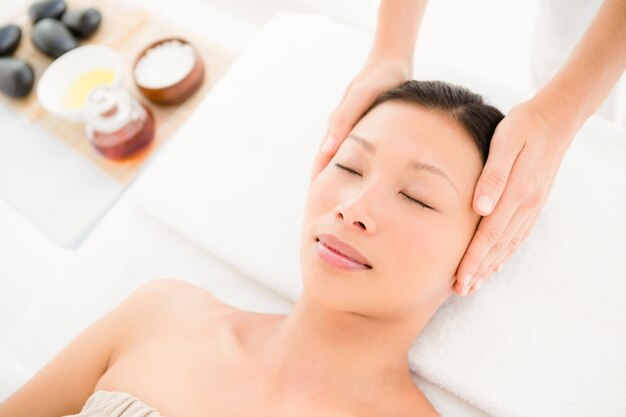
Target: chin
327, 286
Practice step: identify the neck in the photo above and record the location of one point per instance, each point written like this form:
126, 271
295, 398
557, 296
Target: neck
316, 349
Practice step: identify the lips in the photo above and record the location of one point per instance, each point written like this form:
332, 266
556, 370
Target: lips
342, 248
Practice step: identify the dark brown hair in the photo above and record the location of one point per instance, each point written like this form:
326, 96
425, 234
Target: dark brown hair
469, 109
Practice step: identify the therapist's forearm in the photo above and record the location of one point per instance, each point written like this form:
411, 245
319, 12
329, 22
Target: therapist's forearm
591, 71
396, 30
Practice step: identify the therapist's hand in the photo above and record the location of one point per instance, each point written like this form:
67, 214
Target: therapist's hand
377, 76
524, 156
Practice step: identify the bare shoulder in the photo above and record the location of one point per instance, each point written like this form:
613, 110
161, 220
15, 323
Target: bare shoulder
174, 289
163, 302
147, 314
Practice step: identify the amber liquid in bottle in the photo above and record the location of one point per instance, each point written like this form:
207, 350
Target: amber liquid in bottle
117, 125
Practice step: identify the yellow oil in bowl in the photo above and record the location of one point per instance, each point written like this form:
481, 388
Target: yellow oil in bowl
76, 93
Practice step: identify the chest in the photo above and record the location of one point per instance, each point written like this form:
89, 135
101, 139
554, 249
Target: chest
199, 376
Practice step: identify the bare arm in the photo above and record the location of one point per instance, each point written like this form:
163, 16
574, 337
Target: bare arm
396, 30
63, 385
590, 72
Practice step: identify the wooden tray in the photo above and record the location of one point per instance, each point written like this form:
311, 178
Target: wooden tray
127, 30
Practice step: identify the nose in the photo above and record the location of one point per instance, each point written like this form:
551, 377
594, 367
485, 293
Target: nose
357, 213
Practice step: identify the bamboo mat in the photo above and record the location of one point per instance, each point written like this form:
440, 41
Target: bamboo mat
127, 30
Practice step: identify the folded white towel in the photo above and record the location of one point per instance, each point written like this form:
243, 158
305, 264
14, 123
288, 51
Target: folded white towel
544, 337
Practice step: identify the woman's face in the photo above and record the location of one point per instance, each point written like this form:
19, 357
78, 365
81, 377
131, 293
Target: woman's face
363, 197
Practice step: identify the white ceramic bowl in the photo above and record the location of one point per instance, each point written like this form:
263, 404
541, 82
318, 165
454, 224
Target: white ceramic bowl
58, 77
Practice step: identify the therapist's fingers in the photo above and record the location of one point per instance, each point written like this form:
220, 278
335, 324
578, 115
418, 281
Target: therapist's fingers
376, 77
476, 286
495, 176
517, 231
482, 277
511, 239
526, 230
503, 248
490, 230
355, 101
493, 231
525, 186
484, 274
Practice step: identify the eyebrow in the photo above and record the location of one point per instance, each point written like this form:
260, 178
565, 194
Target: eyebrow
418, 165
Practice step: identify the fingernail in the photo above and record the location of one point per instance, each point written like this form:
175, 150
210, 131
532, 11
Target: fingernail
479, 283
467, 280
499, 268
485, 204
464, 291
329, 145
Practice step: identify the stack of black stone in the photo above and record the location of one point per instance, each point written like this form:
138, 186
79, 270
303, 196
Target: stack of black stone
55, 31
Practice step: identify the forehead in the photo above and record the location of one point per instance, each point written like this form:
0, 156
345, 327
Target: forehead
411, 125
404, 131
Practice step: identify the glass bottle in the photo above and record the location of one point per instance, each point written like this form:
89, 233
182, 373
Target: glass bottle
116, 124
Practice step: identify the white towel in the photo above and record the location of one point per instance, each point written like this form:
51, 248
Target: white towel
542, 338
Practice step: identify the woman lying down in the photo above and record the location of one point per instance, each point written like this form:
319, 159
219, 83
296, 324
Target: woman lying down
383, 234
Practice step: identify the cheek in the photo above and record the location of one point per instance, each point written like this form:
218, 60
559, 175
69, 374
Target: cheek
320, 193
417, 244
317, 205
426, 251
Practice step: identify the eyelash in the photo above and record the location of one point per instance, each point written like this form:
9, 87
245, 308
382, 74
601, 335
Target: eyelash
406, 197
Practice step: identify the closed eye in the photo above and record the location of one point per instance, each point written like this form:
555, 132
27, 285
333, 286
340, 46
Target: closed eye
406, 197
414, 201
347, 169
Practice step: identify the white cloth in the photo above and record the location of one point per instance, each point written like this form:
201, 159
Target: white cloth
115, 404
544, 337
